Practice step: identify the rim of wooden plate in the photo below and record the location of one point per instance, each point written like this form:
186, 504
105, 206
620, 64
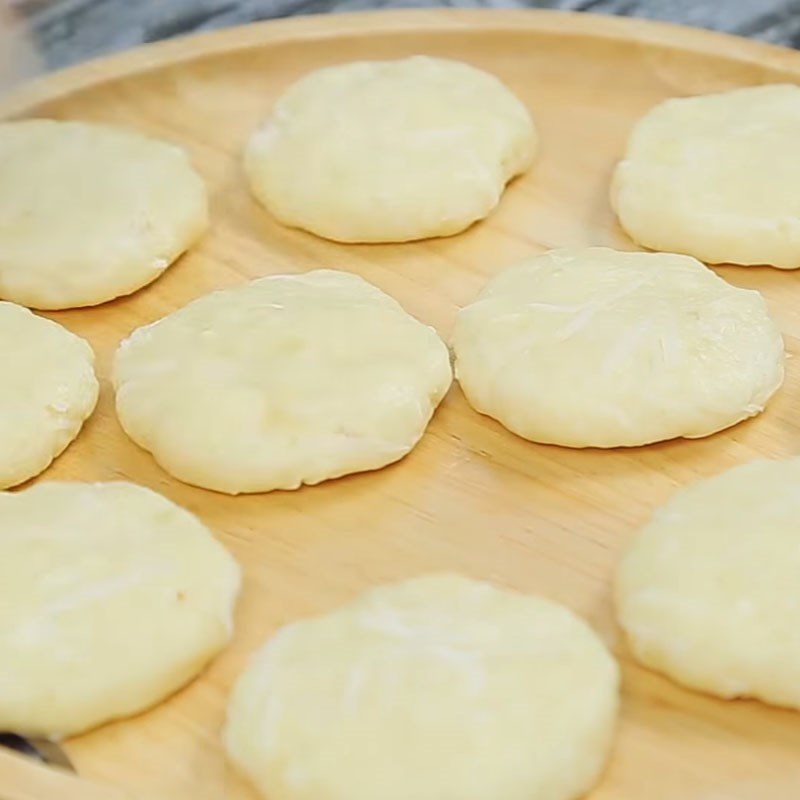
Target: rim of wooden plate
184, 49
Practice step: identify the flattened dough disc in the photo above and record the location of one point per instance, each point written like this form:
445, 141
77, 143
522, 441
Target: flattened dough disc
90, 212
716, 177
598, 348
438, 688
290, 379
47, 390
113, 598
708, 591
390, 151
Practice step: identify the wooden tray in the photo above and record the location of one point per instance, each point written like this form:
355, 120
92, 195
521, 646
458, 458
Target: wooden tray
472, 497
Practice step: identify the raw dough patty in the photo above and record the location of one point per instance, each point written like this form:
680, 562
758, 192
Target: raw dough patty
390, 151
287, 380
716, 177
113, 597
439, 688
89, 213
597, 348
47, 390
708, 593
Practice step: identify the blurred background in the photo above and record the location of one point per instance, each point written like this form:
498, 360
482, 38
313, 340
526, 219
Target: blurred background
64, 32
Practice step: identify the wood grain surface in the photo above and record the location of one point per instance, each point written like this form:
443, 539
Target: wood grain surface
472, 497
22, 778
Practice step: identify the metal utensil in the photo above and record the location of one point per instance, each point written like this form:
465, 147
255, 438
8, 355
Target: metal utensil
42, 749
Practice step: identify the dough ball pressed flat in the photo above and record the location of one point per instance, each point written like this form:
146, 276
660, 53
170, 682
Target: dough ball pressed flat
438, 688
287, 380
708, 592
716, 177
598, 348
47, 389
89, 213
390, 151
113, 598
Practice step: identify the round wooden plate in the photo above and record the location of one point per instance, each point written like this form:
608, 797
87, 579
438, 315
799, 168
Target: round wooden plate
472, 497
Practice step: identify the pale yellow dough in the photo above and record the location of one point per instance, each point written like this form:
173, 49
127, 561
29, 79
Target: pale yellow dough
47, 389
598, 348
390, 151
708, 592
439, 688
89, 212
716, 177
112, 598
287, 380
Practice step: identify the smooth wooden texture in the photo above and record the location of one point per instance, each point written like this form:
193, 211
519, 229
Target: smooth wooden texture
22, 778
471, 497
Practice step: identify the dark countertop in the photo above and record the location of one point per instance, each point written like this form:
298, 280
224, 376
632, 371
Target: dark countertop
69, 31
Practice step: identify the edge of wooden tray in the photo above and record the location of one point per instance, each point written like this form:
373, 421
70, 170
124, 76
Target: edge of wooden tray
151, 57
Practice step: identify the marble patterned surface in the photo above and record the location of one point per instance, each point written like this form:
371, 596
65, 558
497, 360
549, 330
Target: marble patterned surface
69, 31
